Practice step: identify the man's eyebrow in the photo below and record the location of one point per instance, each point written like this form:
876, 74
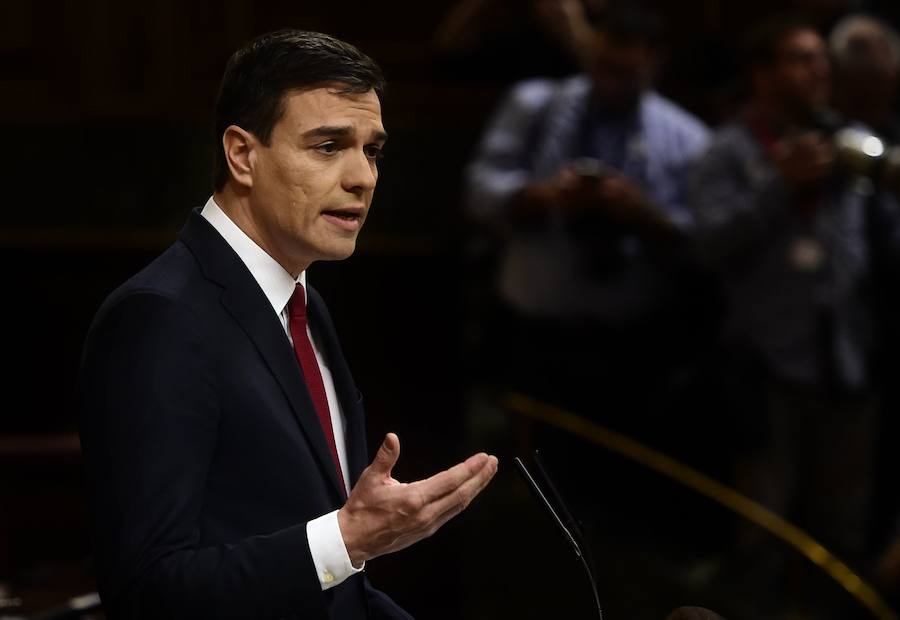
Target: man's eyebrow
339, 131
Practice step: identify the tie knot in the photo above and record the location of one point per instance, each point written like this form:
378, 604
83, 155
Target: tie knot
297, 304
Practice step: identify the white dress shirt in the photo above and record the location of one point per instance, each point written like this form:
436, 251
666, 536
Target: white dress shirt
326, 544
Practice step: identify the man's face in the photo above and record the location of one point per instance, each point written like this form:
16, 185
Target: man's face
313, 184
621, 71
800, 75
866, 83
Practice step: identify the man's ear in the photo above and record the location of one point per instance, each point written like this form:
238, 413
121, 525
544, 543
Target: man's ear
239, 146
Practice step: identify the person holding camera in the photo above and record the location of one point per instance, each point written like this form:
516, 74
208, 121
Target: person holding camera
790, 234
581, 182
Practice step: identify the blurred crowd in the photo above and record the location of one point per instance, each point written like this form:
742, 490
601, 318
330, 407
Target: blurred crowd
740, 258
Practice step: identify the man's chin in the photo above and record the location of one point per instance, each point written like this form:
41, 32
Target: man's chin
339, 252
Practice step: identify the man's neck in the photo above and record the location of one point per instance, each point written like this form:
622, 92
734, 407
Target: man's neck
781, 118
236, 205
775, 118
622, 112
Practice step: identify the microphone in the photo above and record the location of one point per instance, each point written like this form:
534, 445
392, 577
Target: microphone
570, 529
544, 491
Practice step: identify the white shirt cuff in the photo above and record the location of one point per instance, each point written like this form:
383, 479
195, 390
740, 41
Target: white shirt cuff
329, 554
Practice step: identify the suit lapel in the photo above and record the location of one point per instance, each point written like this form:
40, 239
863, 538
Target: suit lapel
245, 301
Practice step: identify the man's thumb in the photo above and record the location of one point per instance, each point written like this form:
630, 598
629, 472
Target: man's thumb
387, 455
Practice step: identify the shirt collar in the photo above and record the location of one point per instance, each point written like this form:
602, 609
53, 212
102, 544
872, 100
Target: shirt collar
276, 283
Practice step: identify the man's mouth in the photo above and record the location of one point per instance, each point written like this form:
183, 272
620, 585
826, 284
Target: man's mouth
344, 215
348, 218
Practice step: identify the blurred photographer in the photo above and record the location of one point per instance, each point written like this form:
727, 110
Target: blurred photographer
866, 53
789, 231
582, 181
866, 56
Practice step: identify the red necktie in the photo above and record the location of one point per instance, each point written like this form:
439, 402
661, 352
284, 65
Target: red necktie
307, 358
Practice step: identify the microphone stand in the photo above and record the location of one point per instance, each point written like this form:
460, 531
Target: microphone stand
567, 532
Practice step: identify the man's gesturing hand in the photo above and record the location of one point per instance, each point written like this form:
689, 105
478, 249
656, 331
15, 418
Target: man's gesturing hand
383, 515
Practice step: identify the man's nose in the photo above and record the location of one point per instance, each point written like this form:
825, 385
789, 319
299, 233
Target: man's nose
360, 173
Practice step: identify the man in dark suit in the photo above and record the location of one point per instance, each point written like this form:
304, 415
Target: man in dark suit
223, 433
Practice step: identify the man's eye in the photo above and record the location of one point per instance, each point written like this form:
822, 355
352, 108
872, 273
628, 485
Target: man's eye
327, 147
374, 152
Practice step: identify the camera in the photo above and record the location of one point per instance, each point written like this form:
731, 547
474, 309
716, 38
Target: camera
867, 156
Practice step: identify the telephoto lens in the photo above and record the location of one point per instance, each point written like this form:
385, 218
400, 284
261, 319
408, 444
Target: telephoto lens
865, 155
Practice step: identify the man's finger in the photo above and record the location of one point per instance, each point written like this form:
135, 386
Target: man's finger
464, 498
460, 497
449, 480
387, 456
438, 513
443, 518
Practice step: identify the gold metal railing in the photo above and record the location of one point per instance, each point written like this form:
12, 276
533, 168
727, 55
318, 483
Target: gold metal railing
720, 493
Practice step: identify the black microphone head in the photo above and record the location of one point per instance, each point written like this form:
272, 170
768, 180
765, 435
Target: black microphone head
693, 613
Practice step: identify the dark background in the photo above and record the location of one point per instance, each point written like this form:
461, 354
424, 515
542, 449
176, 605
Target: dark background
105, 118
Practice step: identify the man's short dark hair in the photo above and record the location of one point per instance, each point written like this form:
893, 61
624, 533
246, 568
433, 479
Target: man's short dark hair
630, 23
762, 43
260, 74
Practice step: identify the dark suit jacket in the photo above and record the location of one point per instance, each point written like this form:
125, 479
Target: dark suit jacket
204, 455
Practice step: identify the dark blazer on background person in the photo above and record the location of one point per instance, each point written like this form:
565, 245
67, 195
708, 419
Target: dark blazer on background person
204, 455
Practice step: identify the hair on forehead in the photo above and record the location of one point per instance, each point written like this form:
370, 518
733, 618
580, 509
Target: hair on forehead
260, 74
630, 23
763, 42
